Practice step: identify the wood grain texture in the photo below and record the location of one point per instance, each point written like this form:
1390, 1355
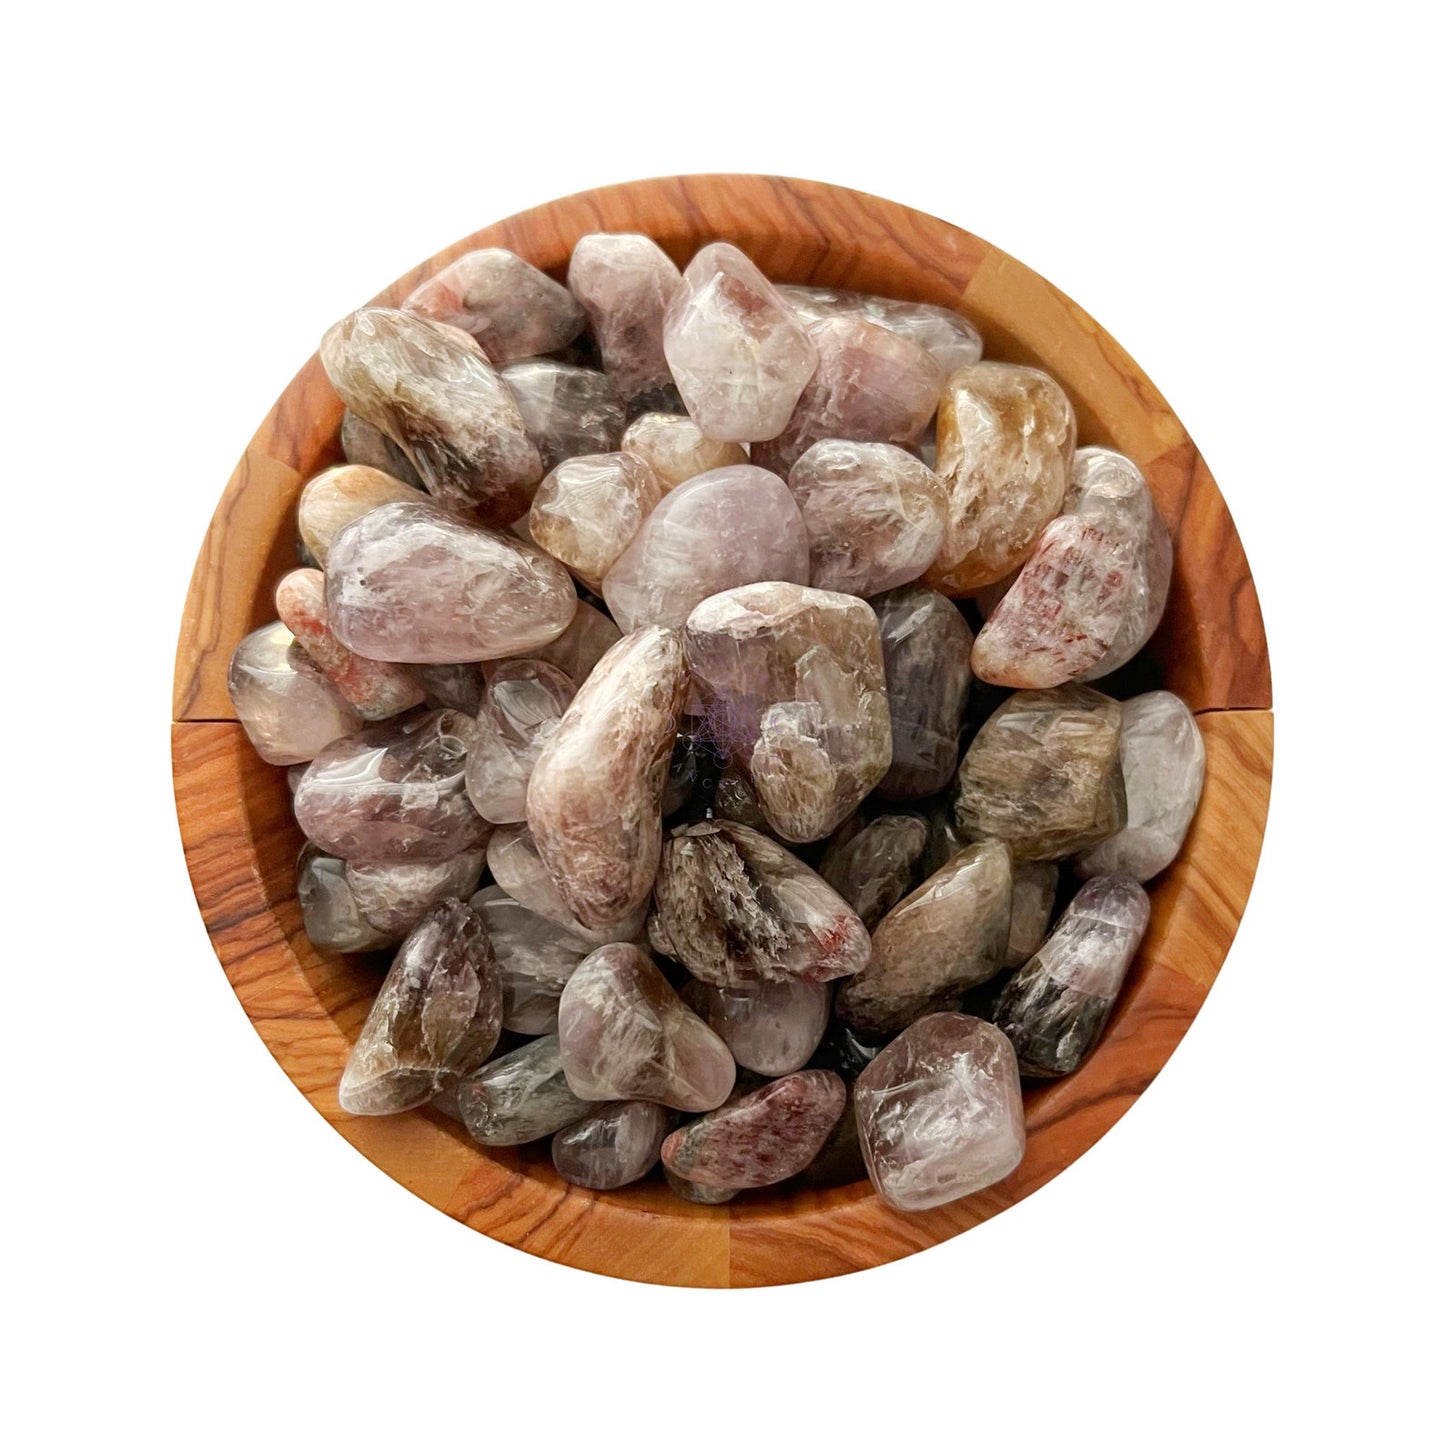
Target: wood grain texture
241, 842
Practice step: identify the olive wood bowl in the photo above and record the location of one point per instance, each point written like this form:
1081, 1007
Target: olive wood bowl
241, 842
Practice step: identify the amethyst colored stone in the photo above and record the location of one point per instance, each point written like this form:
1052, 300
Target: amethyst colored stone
760, 1138
519, 1097
567, 410
770, 1028
328, 910
720, 530
535, 958
524, 703
408, 583
874, 867
392, 897
438, 1015
951, 339
395, 792
615, 1145
283, 700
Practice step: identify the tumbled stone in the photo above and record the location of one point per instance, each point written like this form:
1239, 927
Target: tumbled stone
513, 309
392, 897
519, 1097
377, 690
625, 283
579, 649
568, 411
1055, 1007
1035, 885
1043, 774
594, 803
459, 685
408, 583
535, 958
329, 911
625, 1034
340, 495
589, 508
737, 351
438, 1016
1161, 751
1005, 444
719, 530
524, 703
675, 449
395, 791
283, 700
734, 908
735, 801
696, 1193
430, 389
876, 866
790, 682
951, 339
950, 934
870, 386
760, 1138
365, 445
926, 644
771, 1028
615, 1145
940, 1112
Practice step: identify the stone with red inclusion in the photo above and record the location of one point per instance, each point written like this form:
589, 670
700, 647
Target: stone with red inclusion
524, 703
760, 1138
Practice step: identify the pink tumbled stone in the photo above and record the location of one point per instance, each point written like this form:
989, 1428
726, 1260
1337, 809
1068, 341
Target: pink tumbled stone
524, 703
951, 339
771, 1028
289, 709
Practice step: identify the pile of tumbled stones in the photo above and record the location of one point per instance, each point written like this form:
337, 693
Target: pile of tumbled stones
641, 601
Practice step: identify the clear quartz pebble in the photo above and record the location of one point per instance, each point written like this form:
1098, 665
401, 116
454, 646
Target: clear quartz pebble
1035, 886
950, 338
1161, 751
519, 1097
1055, 1007
719, 530
510, 307
393, 897
430, 389
675, 450
409, 583
340, 495
329, 911
950, 934
770, 1028
737, 351
874, 867
524, 702
790, 683
535, 958
614, 1145
567, 410
288, 708
438, 1016
365, 445
625, 1034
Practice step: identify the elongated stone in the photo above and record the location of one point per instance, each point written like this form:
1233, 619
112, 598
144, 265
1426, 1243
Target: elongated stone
377, 690
519, 1097
579, 649
430, 389
589, 508
626, 1035
393, 897
1005, 445
940, 1112
283, 700
675, 449
535, 958
734, 908
737, 351
926, 644
696, 1193
875, 867
568, 411
340, 495
719, 530
408, 583
615, 1145
624, 283
1043, 774
790, 681
329, 910
594, 802
368, 446
513, 309
395, 792
873, 513
457, 685
524, 703
1035, 885
950, 934
1162, 755
950, 338
761, 1138
770, 1028
870, 385
1055, 1007
438, 1016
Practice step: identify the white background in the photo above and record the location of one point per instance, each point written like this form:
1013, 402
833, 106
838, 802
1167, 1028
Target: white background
1240, 195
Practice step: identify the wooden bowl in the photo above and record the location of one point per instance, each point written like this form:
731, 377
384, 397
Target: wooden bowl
241, 842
